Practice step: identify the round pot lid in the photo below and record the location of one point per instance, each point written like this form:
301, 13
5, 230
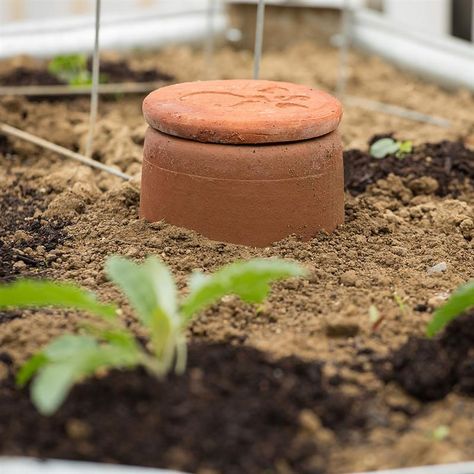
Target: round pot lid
242, 111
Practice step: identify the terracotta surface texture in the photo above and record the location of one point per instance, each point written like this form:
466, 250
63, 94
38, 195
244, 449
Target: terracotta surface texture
251, 195
242, 111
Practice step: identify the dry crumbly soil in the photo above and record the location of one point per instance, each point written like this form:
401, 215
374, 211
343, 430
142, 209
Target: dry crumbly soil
61, 221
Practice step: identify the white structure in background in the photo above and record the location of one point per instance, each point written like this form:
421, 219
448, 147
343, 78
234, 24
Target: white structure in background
424, 16
21, 10
412, 33
49, 27
443, 58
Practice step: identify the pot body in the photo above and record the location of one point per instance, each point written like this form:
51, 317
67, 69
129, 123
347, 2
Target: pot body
244, 194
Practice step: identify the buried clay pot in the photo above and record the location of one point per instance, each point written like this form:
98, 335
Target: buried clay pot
247, 162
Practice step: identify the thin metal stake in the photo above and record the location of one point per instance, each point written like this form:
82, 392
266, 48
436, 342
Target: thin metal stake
258, 38
16, 132
209, 49
396, 110
344, 50
95, 83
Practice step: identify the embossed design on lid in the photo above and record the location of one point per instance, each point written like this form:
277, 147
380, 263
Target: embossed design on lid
242, 111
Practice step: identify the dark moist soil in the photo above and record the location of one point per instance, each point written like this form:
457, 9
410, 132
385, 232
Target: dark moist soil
234, 412
26, 240
450, 163
113, 71
6, 148
429, 369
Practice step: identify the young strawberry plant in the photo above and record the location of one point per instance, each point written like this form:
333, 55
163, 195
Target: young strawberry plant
151, 291
461, 300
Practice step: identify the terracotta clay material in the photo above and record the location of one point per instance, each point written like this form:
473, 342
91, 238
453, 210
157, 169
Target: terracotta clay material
252, 195
250, 192
242, 111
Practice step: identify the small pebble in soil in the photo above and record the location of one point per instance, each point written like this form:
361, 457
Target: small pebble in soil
19, 265
438, 268
349, 278
438, 299
342, 329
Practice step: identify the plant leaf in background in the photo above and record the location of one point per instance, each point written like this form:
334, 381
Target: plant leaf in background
461, 300
388, 146
404, 148
71, 68
41, 293
383, 147
250, 280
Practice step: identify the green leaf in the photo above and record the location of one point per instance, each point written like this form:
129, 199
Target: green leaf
51, 386
149, 287
30, 367
461, 300
404, 148
63, 347
68, 346
119, 338
70, 359
71, 69
249, 280
35, 293
383, 147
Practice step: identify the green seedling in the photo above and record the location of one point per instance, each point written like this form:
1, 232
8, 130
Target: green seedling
388, 146
461, 300
71, 69
107, 343
440, 433
375, 317
400, 303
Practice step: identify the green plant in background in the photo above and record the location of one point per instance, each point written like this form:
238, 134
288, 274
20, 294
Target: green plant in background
388, 146
71, 69
461, 300
108, 343
401, 304
440, 433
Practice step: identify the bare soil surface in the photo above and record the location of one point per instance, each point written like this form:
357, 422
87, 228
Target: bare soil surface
60, 221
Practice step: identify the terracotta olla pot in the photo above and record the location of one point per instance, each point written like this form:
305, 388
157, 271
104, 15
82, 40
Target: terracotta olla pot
243, 161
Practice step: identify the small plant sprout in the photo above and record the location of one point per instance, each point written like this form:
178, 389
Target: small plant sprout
375, 317
400, 303
71, 69
461, 300
388, 146
440, 433
108, 343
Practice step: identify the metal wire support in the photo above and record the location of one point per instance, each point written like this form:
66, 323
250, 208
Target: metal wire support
16, 132
210, 47
112, 88
344, 49
258, 38
95, 83
395, 110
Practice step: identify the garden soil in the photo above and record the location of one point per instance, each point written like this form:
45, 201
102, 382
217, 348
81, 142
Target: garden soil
335, 362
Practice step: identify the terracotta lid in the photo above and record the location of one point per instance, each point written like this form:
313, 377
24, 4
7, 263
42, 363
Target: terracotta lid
242, 111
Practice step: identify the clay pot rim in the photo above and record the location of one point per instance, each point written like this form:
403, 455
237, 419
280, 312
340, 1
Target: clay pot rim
165, 111
262, 162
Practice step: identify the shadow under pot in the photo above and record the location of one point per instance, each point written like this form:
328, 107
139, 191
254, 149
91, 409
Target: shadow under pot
243, 161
